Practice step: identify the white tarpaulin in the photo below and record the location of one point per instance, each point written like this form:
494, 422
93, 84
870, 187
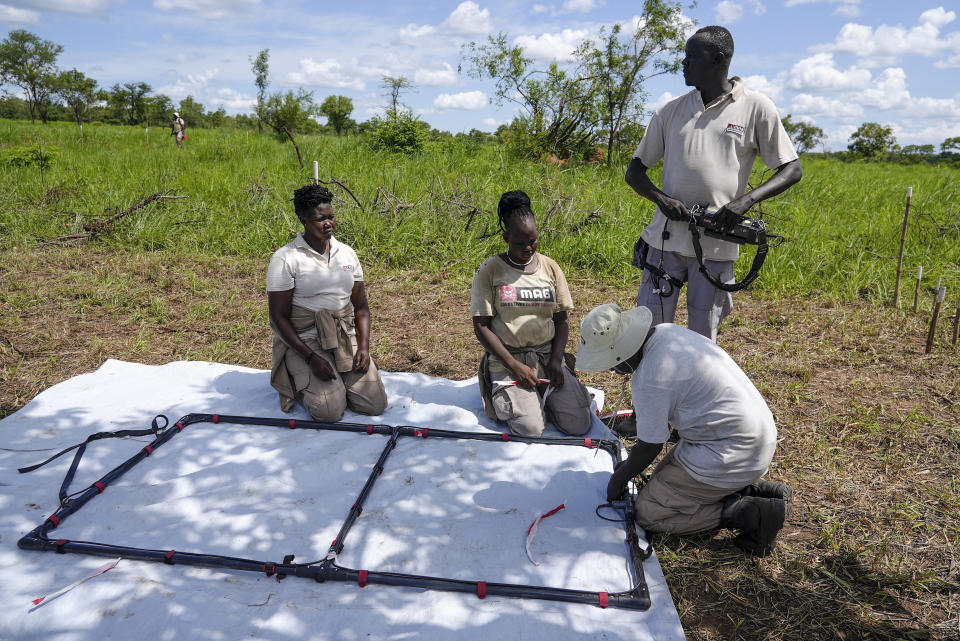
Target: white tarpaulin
457, 509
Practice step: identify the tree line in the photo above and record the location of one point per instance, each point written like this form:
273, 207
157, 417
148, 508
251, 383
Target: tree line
592, 108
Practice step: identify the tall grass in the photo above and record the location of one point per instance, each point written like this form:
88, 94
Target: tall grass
842, 221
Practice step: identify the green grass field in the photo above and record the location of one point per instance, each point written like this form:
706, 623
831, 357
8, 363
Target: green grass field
433, 211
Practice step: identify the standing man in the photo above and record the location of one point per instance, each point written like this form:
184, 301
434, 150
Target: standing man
712, 476
708, 140
178, 127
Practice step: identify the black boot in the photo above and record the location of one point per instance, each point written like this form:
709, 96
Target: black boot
772, 490
759, 519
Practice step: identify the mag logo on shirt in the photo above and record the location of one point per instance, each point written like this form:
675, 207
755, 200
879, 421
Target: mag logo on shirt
512, 296
736, 130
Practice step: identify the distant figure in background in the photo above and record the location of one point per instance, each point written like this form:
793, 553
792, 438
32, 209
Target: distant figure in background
708, 140
320, 319
178, 128
519, 304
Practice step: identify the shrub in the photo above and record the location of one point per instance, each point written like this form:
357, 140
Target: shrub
400, 132
28, 155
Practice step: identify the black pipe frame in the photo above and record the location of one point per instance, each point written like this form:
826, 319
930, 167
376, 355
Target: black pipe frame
636, 598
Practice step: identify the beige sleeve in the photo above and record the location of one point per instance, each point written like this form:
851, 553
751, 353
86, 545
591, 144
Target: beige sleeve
564, 300
481, 294
773, 142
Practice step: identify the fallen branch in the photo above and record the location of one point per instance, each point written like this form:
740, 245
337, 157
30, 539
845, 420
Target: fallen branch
99, 226
343, 187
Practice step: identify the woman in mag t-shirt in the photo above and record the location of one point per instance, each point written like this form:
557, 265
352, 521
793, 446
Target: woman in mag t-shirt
519, 304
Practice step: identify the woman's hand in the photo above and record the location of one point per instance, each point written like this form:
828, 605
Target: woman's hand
361, 360
555, 373
526, 376
320, 367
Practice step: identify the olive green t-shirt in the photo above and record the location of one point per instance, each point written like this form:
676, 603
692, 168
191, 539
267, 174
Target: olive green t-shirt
522, 305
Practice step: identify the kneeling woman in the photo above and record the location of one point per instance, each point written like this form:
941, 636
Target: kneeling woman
519, 304
320, 319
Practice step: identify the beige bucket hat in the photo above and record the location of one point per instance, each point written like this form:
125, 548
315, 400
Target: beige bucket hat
609, 336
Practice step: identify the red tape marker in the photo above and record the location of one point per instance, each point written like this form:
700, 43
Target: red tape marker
362, 578
482, 589
505, 436
604, 599
293, 423
53, 518
216, 418
369, 429
148, 450
587, 442
179, 426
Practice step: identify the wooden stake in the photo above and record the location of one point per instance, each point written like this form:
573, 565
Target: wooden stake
903, 241
941, 294
956, 324
916, 292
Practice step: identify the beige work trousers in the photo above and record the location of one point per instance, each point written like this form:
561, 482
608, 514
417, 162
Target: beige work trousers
362, 392
568, 407
675, 502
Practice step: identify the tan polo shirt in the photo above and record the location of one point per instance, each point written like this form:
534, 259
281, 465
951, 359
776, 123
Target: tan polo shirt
708, 153
318, 281
522, 305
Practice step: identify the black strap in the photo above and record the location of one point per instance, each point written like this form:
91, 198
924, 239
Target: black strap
758, 259
640, 250
155, 429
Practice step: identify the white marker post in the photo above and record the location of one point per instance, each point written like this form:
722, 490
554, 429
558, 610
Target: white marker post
146, 132
903, 241
916, 292
316, 172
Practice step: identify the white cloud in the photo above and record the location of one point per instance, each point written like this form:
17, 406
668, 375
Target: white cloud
493, 123
468, 18
542, 8
436, 77
663, 99
234, 101
192, 85
729, 11
819, 72
886, 44
581, 6
417, 31
771, 89
809, 105
327, 73
14, 15
848, 8
553, 46
62, 6
212, 9
468, 100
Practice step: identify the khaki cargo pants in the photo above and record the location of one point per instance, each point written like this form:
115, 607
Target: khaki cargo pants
361, 392
675, 502
568, 407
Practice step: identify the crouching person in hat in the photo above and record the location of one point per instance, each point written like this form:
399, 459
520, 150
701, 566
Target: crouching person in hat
711, 478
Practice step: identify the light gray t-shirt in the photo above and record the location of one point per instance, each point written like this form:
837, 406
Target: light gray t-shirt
727, 433
708, 153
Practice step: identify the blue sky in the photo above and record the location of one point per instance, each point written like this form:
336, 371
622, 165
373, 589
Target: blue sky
834, 63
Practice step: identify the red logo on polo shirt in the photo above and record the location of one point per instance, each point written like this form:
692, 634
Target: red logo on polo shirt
348, 268
737, 130
508, 294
